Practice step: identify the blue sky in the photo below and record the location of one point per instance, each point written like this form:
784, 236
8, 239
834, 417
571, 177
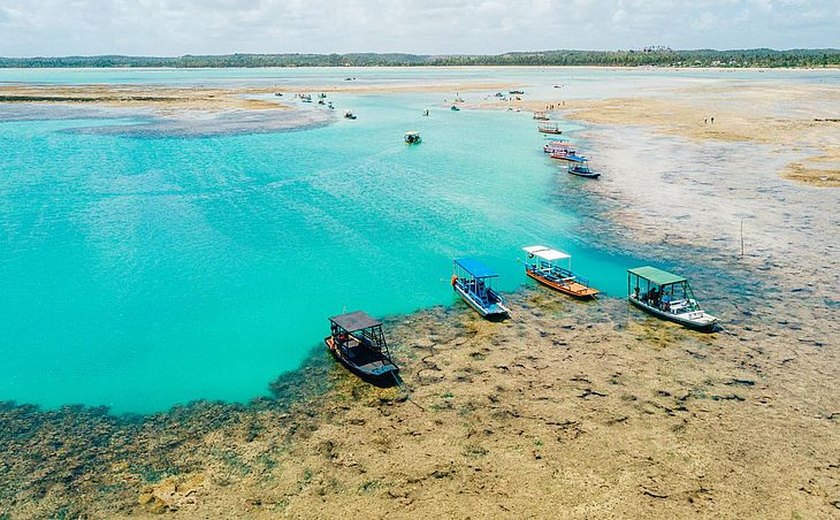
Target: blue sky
175, 27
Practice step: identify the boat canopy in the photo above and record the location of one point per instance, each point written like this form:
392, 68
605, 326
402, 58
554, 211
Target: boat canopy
656, 276
546, 253
355, 321
475, 268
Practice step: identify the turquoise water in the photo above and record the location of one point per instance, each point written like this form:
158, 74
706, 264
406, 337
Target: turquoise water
577, 82
143, 272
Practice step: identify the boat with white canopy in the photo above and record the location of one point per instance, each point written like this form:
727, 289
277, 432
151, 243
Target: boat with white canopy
553, 269
412, 137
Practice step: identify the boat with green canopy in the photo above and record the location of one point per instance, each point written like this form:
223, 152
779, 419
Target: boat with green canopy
667, 296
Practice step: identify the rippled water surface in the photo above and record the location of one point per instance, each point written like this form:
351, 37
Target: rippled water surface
139, 271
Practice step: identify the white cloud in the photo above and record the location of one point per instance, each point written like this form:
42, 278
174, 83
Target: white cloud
172, 27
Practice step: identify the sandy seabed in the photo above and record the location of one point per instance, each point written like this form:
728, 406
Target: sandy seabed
568, 410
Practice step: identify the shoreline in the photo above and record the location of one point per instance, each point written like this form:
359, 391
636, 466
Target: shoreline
466, 67
574, 379
587, 409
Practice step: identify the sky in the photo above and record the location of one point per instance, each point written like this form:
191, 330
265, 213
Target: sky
177, 27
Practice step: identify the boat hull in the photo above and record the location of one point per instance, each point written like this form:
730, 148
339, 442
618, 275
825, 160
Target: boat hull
574, 289
381, 371
586, 175
495, 312
706, 323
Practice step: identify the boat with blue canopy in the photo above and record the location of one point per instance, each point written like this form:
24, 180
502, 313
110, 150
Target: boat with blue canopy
578, 165
358, 342
553, 269
473, 280
667, 296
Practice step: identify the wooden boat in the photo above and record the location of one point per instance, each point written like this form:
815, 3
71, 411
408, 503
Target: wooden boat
358, 342
412, 137
578, 165
541, 116
472, 280
550, 128
667, 296
349, 115
541, 265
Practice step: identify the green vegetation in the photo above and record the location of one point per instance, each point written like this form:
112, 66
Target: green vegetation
651, 56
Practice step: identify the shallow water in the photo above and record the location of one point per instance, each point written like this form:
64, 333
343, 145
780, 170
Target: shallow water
147, 269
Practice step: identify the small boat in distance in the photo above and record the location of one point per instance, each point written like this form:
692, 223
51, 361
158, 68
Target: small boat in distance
541, 265
413, 137
349, 115
514, 92
426, 112
577, 165
454, 108
541, 116
358, 342
667, 296
550, 128
472, 280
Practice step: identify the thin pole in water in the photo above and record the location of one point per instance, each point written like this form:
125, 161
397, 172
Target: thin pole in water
742, 238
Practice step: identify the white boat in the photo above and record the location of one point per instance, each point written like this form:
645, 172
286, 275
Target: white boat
667, 296
412, 137
472, 280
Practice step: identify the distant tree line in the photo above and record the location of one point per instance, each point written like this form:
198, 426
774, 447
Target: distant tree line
649, 56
